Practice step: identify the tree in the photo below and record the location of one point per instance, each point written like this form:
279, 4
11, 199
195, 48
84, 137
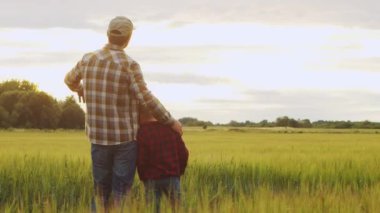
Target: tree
305, 123
293, 123
4, 118
282, 121
234, 123
37, 110
16, 85
188, 121
263, 123
23, 106
72, 116
343, 125
9, 99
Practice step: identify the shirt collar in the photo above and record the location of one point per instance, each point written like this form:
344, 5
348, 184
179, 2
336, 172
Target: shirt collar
113, 47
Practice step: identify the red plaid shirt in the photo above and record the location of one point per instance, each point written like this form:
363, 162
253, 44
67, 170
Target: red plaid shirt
161, 152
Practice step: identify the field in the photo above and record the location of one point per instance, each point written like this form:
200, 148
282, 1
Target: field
230, 170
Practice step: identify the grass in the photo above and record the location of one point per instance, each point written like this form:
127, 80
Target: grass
230, 170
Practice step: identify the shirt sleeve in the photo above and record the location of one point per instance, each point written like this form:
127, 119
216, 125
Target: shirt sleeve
74, 77
146, 98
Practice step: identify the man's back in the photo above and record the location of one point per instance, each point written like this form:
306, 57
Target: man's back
111, 108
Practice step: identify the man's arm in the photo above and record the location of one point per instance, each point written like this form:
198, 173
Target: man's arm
73, 80
149, 101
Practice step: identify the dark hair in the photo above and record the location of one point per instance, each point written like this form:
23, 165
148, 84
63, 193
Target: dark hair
117, 39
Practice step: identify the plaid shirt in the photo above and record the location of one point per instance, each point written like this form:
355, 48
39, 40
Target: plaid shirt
113, 87
161, 152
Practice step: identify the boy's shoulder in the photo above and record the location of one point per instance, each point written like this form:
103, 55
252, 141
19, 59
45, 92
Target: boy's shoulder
158, 131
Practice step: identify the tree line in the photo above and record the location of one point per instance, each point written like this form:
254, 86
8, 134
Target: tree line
22, 105
285, 121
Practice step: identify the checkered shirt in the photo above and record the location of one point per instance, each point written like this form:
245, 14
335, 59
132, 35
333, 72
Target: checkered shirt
113, 87
161, 152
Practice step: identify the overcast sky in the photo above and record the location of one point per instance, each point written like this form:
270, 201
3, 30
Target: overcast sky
213, 60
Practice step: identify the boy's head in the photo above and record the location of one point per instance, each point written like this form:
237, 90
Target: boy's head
120, 31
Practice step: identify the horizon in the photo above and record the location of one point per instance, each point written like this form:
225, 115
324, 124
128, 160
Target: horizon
214, 61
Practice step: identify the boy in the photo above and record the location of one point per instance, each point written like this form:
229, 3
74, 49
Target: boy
161, 160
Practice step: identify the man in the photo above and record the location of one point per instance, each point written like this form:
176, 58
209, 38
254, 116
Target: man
113, 87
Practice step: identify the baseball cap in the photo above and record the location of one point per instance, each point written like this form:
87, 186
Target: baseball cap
120, 26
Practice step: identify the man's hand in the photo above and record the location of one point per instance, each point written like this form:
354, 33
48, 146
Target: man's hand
81, 96
177, 126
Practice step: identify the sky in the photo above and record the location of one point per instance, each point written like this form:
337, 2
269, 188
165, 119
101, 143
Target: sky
213, 60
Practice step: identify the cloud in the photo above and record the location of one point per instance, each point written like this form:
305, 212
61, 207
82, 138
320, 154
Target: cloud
95, 14
173, 55
316, 98
195, 54
184, 78
360, 64
40, 59
302, 104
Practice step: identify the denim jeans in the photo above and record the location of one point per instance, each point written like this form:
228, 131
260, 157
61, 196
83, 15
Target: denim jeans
154, 189
113, 169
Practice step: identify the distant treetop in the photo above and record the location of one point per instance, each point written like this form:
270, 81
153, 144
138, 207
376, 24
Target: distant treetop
16, 85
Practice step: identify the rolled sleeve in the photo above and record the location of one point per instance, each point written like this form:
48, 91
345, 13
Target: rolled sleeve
74, 77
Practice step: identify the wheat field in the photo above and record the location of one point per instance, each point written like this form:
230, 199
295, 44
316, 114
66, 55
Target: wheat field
229, 170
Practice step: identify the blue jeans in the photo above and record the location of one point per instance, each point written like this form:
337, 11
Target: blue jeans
154, 189
113, 169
